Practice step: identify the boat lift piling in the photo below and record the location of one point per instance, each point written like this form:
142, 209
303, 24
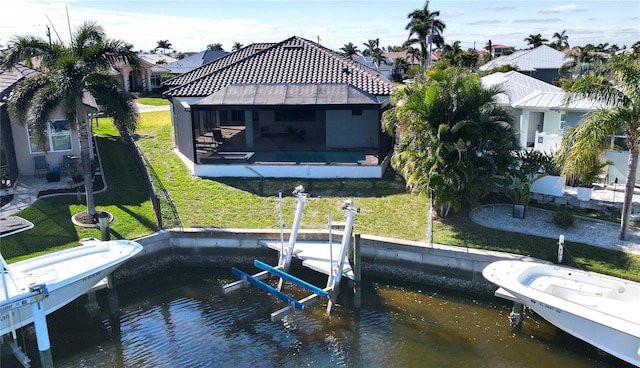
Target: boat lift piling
335, 269
35, 297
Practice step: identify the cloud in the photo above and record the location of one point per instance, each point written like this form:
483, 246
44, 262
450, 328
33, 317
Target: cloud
543, 20
558, 9
501, 8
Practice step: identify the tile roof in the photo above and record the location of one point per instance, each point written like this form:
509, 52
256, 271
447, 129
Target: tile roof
217, 64
10, 77
295, 60
541, 57
194, 61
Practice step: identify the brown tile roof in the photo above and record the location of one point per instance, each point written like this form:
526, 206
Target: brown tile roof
295, 60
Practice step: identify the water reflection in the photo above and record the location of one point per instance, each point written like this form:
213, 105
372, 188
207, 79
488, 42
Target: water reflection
181, 319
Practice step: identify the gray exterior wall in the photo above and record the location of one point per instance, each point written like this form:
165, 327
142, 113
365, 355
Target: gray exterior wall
345, 130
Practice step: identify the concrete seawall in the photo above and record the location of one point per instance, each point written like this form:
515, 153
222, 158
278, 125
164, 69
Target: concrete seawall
402, 260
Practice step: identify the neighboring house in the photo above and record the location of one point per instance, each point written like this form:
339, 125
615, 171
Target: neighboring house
541, 115
385, 68
498, 49
16, 148
194, 61
542, 62
287, 109
150, 75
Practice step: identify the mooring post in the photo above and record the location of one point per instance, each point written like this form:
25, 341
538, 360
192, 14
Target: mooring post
103, 220
515, 317
40, 324
114, 305
357, 292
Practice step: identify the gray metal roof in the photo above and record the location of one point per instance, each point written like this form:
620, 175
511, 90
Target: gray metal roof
516, 85
289, 94
541, 57
520, 91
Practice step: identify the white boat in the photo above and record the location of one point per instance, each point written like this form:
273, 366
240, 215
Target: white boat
66, 274
599, 309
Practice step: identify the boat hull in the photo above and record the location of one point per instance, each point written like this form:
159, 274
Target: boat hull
66, 275
598, 309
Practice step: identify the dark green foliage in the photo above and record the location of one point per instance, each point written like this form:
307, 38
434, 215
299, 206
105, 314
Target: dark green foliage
563, 219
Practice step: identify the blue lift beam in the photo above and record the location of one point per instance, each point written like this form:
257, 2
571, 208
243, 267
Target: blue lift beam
268, 288
292, 279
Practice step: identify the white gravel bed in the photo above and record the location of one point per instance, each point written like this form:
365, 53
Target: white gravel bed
540, 222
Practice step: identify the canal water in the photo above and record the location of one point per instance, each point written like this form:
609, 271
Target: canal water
180, 318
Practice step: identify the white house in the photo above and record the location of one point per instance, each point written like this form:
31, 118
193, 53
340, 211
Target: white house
541, 115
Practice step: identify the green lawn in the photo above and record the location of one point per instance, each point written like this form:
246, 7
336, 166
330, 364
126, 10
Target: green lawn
386, 208
152, 101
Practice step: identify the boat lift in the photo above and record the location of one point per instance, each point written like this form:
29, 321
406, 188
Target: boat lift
335, 271
35, 297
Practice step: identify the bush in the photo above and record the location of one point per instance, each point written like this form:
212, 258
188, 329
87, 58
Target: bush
53, 177
563, 219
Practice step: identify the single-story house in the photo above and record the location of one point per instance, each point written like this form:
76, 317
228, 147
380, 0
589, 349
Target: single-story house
542, 62
541, 115
149, 77
194, 61
17, 151
287, 109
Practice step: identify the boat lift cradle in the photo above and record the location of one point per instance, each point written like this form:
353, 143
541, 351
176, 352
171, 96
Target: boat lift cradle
286, 254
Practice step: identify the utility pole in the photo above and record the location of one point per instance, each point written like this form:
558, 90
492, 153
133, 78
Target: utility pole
49, 35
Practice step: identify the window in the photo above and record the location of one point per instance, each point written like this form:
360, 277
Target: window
156, 81
295, 115
59, 137
356, 112
563, 120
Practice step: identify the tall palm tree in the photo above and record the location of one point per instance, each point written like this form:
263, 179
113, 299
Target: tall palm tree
535, 40
349, 49
450, 136
561, 40
616, 85
422, 24
236, 46
377, 58
69, 72
164, 45
371, 46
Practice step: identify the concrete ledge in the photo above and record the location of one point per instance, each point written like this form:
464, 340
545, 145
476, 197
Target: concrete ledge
403, 260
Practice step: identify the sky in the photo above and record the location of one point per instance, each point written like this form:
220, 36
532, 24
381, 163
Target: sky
191, 25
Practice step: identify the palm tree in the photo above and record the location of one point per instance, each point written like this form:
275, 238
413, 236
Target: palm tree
535, 40
616, 85
371, 46
215, 46
236, 46
414, 54
561, 40
69, 72
450, 137
349, 49
164, 45
422, 24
